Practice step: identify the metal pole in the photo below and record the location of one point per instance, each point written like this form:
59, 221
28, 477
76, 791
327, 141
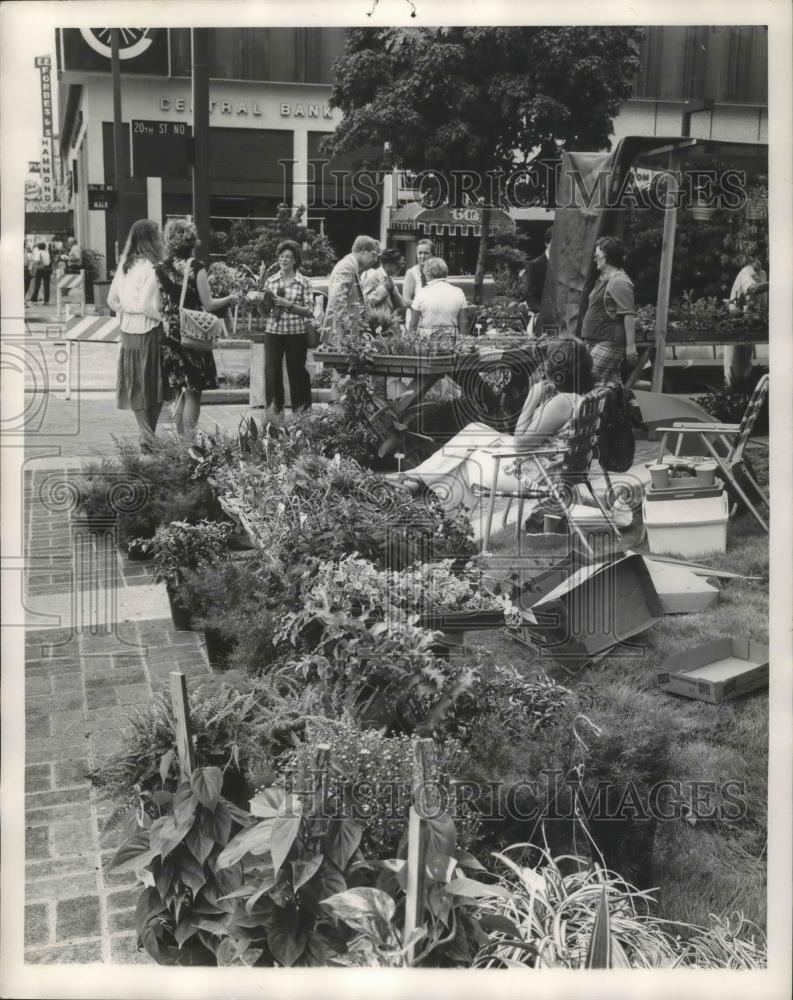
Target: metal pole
665, 273
200, 51
118, 142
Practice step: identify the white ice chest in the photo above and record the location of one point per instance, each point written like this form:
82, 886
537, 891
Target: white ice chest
683, 523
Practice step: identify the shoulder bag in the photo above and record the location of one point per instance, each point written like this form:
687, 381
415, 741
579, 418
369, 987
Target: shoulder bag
199, 329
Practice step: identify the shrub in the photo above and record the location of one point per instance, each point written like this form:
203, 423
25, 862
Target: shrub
239, 724
370, 775
179, 547
244, 601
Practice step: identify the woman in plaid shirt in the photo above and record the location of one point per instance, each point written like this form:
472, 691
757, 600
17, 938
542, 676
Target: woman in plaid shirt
288, 292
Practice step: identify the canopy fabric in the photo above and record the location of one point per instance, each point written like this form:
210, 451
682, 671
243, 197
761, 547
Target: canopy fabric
578, 223
583, 213
449, 221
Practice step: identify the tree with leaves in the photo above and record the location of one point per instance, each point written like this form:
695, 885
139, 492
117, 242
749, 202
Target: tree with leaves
480, 99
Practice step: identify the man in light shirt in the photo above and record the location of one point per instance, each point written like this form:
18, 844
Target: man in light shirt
415, 279
346, 310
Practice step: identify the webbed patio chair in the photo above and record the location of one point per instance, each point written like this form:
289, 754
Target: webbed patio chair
562, 471
726, 444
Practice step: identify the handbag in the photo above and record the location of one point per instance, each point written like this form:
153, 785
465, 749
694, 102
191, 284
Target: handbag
616, 442
199, 329
313, 336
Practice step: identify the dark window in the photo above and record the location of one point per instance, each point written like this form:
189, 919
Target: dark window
726, 63
289, 55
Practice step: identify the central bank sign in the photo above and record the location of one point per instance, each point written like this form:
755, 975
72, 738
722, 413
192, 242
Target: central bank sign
248, 108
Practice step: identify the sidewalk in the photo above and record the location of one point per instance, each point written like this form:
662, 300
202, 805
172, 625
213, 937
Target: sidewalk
112, 650
99, 644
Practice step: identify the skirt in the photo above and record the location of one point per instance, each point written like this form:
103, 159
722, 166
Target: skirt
140, 381
607, 361
188, 369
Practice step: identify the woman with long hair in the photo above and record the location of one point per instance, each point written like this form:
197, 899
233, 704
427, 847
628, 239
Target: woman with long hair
135, 297
189, 371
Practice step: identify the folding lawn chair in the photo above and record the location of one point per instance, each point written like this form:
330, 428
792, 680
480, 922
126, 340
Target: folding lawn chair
562, 476
733, 439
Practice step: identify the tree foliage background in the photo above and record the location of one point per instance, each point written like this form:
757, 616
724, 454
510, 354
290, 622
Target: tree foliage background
480, 98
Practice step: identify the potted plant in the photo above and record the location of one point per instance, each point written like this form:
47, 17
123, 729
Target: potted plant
177, 548
96, 490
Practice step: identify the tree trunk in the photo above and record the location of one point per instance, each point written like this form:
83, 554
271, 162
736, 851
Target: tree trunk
484, 246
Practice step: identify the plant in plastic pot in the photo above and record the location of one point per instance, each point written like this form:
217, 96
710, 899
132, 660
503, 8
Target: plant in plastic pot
179, 547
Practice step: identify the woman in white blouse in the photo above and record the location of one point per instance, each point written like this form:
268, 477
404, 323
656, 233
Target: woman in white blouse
135, 296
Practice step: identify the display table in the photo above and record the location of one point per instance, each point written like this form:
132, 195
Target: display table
391, 419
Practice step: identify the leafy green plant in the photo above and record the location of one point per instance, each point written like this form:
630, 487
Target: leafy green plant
188, 900
506, 701
564, 913
370, 776
250, 249
239, 724
330, 432
95, 489
727, 404
180, 546
359, 628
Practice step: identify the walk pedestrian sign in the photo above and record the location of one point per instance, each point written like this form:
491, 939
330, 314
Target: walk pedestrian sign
101, 197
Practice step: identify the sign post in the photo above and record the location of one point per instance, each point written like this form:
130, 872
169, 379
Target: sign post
154, 200
200, 52
118, 143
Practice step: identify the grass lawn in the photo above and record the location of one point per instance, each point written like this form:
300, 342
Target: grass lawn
708, 868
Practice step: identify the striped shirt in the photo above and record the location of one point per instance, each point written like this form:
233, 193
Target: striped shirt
298, 292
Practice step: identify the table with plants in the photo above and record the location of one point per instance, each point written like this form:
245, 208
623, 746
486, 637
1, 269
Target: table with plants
477, 363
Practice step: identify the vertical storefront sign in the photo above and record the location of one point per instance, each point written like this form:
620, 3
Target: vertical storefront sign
47, 188
44, 66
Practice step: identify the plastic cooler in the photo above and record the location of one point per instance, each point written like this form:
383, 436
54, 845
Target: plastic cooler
686, 521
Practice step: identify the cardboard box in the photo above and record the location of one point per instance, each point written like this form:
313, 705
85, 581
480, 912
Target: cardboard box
581, 612
681, 592
717, 671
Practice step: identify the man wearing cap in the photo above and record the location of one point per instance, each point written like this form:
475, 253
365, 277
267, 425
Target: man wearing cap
346, 309
379, 290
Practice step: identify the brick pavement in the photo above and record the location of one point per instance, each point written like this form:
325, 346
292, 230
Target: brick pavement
81, 683
79, 691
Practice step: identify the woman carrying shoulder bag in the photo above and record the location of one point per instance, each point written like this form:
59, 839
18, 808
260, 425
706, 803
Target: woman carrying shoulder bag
135, 297
185, 288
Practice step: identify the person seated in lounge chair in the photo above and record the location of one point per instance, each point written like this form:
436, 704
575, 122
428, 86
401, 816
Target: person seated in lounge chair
466, 462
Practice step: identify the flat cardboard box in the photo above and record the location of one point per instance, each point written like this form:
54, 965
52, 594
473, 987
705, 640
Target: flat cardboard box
580, 612
717, 671
681, 592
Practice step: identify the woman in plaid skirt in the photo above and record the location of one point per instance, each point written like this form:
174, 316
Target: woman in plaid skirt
609, 327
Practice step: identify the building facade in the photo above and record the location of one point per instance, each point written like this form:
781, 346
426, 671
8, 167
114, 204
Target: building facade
269, 111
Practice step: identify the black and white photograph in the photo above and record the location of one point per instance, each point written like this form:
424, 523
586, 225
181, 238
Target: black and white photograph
396, 434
